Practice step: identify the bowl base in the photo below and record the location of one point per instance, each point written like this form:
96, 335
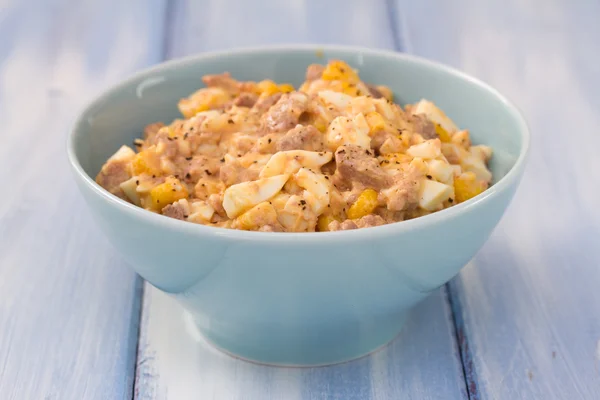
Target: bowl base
300, 356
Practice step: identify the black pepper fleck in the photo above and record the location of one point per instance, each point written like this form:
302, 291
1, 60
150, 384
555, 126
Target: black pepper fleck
269, 141
450, 200
428, 176
230, 121
188, 158
208, 172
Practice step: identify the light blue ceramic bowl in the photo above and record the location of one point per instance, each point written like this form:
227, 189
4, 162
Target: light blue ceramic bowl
311, 298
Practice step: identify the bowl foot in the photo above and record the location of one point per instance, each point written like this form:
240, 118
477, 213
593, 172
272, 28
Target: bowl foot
304, 351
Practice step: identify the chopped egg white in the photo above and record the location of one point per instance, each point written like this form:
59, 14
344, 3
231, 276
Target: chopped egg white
432, 194
440, 171
436, 115
472, 161
484, 152
419, 165
200, 211
317, 189
290, 162
344, 130
243, 196
384, 108
428, 149
125, 154
294, 216
260, 215
462, 138
168, 166
129, 187
337, 99
361, 104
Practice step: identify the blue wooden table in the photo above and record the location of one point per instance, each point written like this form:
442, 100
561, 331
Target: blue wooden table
521, 321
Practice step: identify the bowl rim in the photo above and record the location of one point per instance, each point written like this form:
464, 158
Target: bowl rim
511, 177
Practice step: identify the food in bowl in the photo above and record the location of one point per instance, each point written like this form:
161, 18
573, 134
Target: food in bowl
336, 154
295, 298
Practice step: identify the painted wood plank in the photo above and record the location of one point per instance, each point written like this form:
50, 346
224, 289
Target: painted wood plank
173, 363
529, 303
69, 307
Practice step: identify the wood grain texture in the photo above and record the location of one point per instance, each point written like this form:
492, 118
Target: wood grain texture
69, 308
422, 363
528, 306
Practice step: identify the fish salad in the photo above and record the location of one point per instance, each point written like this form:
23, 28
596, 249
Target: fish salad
334, 154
